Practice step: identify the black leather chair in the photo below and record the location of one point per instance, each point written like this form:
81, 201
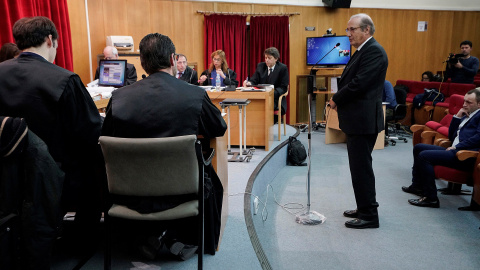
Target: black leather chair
399, 112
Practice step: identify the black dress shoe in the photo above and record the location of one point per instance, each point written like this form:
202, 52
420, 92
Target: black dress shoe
413, 190
425, 202
362, 224
351, 213
183, 251
469, 208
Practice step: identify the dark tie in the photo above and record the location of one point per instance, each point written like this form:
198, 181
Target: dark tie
179, 75
270, 71
351, 59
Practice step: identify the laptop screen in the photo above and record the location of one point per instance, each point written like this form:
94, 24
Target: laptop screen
112, 73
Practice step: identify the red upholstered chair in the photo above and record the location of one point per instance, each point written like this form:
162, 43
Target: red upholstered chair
452, 90
455, 104
456, 177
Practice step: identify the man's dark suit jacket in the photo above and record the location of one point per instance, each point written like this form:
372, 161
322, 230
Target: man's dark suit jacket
279, 78
469, 133
190, 76
131, 74
360, 90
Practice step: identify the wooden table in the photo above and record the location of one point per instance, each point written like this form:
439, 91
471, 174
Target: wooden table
333, 133
101, 104
220, 164
259, 116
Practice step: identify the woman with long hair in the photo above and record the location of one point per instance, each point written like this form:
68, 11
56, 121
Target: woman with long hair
218, 66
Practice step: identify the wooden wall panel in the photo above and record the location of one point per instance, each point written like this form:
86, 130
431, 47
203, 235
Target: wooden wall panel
410, 52
138, 20
79, 38
97, 31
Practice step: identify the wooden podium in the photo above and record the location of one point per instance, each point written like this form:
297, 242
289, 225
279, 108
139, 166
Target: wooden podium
322, 79
333, 133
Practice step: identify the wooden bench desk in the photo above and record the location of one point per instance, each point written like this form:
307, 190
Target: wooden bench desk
259, 116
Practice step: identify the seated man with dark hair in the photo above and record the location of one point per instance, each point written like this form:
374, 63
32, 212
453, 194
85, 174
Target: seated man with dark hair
272, 72
163, 106
60, 111
111, 53
465, 68
464, 132
184, 72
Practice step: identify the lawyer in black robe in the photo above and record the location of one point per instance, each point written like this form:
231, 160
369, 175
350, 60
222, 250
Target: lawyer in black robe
59, 110
279, 78
190, 76
164, 106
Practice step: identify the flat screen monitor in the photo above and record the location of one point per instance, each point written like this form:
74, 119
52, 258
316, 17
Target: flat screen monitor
318, 47
112, 73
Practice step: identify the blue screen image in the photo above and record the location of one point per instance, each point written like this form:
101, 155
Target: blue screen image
317, 47
112, 73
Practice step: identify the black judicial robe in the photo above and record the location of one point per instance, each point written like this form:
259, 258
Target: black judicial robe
190, 76
230, 78
164, 106
279, 78
58, 108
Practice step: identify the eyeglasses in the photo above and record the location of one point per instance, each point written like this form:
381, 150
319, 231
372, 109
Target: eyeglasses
217, 59
351, 29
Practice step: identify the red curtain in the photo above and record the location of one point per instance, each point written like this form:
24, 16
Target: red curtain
265, 32
56, 10
227, 33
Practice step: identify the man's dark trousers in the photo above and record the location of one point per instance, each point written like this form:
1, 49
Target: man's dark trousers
363, 178
425, 157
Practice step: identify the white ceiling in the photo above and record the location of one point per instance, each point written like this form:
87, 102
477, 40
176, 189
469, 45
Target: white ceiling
464, 5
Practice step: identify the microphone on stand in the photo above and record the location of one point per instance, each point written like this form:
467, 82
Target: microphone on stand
313, 70
311, 217
311, 82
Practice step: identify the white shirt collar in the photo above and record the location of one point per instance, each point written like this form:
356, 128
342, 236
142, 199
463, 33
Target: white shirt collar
360, 47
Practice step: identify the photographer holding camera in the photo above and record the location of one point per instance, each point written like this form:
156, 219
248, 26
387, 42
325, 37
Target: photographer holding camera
462, 67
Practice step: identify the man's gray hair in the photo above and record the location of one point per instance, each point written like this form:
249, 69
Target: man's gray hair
365, 21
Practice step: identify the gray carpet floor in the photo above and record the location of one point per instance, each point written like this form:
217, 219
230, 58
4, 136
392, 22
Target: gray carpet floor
408, 238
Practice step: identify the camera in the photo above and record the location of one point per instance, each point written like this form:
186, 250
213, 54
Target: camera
454, 58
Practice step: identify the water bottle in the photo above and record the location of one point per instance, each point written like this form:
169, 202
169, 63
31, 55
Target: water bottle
217, 83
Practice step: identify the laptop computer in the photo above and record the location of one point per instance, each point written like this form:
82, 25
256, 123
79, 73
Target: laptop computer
112, 73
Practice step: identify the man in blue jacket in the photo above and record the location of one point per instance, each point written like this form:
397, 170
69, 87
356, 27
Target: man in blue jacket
464, 132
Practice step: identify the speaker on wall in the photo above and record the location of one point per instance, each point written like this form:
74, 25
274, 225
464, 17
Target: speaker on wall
337, 3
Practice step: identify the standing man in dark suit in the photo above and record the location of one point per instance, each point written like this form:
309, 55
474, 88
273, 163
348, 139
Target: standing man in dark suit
272, 72
184, 72
111, 53
360, 114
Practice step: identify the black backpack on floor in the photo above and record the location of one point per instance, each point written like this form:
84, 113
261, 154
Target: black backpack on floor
296, 153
